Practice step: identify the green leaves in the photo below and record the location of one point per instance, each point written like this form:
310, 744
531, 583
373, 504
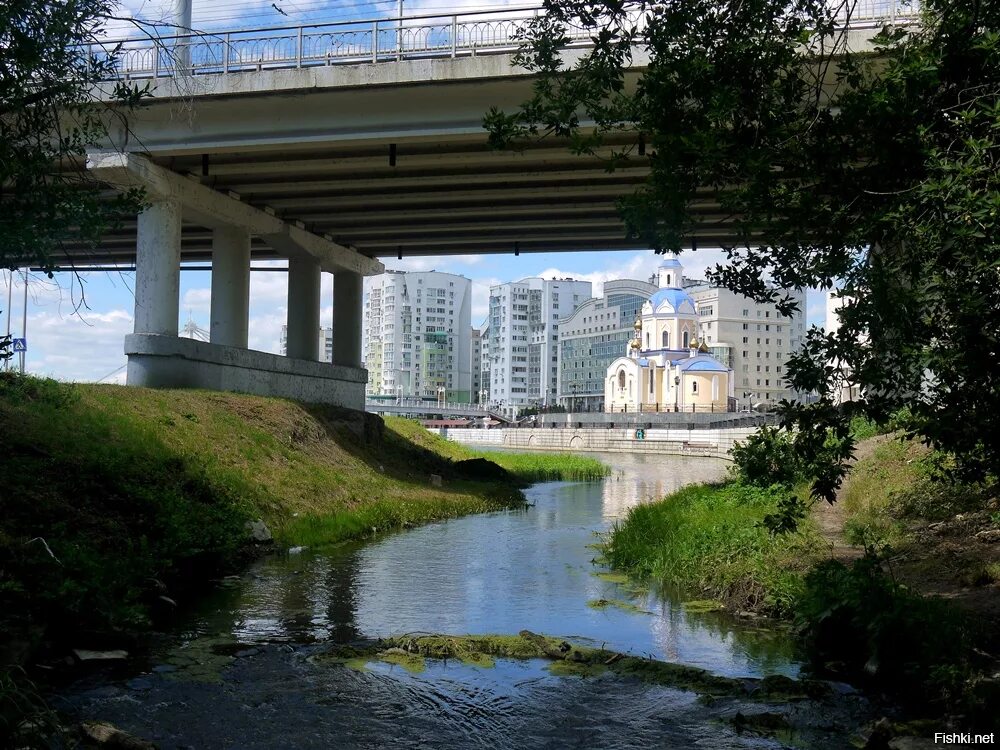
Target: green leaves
878, 174
49, 116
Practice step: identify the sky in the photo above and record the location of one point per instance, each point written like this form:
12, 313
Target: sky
76, 325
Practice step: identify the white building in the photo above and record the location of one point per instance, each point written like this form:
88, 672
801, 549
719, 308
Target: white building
847, 389
524, 338
476, 365
593, 335
484, 366
753, 339
415, 339
325, 343
664, 367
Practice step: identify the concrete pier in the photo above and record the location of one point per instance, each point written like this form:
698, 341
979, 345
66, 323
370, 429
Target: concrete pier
230, 286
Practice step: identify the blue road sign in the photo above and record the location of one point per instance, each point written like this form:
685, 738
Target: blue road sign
20, 345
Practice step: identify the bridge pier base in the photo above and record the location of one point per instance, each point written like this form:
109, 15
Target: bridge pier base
158, 357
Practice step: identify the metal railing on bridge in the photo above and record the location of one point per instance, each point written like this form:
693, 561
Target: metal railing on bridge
423, 406
369, 40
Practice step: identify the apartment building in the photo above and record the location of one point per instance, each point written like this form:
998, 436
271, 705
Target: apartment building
753, 339
524, 339
415, 336
593, 336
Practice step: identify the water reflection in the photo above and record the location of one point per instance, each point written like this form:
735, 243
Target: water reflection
497, 573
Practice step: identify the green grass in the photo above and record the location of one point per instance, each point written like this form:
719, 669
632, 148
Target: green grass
110, 492
528, 467
708, 540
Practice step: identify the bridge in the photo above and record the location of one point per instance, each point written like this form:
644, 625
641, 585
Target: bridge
414, 407
334, 145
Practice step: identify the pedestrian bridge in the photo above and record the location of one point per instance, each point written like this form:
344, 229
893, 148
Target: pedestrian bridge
415, 407
331, 146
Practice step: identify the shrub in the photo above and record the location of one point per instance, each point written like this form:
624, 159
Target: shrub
767, 457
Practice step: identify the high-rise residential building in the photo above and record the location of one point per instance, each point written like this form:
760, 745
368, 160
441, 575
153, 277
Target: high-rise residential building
524, 339
753, 339
484, 366
325, 343
594, 335
476, 364
415, 337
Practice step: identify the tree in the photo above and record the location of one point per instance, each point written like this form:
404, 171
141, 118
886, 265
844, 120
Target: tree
55, 102
877, 173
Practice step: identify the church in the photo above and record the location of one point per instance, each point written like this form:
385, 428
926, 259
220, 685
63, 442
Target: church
665, 368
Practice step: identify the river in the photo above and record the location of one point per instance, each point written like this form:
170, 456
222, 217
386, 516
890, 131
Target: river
238, 671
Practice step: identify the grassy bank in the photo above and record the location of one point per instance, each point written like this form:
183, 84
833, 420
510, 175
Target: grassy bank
530, 467
117, 497
709, 541
881, 586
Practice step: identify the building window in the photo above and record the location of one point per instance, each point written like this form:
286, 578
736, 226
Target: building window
621, 379
694, 386
647, 339
652, 378
686, 339
666, 340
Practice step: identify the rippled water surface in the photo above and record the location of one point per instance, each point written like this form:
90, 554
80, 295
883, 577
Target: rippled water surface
495, 573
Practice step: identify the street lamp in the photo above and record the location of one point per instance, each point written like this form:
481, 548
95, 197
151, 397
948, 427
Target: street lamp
677, 392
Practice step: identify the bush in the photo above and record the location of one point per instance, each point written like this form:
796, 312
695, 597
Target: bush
767, 457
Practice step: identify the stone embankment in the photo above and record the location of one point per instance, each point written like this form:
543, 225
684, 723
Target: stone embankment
713, 443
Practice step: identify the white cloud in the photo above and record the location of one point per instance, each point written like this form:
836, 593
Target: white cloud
197, 300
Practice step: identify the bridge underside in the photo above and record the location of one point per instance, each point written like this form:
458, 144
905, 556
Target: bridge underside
417, 198
386, 159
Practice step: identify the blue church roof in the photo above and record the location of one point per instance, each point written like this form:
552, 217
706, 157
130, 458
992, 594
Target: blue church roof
670, 263
676, 297
703, 363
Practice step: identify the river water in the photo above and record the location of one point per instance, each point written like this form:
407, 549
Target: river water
238, 672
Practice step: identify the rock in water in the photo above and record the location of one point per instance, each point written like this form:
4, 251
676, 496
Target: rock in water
110, 736
258, 531
84, 654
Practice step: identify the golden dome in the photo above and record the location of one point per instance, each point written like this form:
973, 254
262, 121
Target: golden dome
694, 344
702, 348
634, 344
638, 324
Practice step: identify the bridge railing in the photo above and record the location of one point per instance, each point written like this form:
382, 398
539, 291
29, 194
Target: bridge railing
369, 40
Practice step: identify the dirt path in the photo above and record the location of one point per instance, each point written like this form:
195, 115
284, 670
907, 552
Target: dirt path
831, 518
946, 559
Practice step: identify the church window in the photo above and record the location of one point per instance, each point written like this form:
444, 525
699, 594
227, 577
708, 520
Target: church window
666, 340
694, 386
621, 379
686, 339
647, 339
652, 378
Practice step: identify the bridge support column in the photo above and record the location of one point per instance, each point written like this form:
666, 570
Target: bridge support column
230, 286
347, 310
157, 269
303, 308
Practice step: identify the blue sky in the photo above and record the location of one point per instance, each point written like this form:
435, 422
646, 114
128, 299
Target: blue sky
76, 326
